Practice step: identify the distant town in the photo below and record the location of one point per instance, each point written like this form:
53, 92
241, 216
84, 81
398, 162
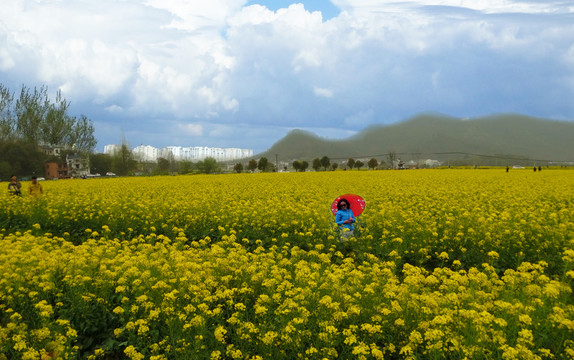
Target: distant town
180, 153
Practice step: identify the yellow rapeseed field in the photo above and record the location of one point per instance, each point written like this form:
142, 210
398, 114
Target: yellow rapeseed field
445, 264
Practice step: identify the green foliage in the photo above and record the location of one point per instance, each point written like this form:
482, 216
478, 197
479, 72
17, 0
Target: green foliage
297, 165
34, 118
100, 163
263, 164
316, 164
122, 162
252, 165
21, 158
185, 167
351, 163
325, 162
238, 167
162, 166
373, 163
208, 166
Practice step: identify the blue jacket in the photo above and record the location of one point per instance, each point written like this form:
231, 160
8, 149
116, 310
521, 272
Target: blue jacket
342, 215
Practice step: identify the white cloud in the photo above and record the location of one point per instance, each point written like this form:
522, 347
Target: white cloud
487, 6
192, 129
114, 109
321, 92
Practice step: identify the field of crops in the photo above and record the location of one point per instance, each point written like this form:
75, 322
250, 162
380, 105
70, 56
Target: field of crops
445, 264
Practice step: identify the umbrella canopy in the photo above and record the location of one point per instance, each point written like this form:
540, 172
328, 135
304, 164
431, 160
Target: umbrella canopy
356, 202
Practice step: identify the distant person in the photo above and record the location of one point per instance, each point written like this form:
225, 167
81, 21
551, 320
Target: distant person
539, 168
507, 168
345, 218
35, 188
535, 169
14, 187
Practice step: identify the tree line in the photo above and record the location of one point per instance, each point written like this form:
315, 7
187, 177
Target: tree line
301, 165
31, 119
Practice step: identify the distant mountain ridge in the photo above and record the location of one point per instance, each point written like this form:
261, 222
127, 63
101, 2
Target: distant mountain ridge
439, 136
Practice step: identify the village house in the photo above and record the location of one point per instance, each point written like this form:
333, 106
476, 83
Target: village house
78, 166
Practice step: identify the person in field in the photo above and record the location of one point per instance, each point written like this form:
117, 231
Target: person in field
14, 186
345, 218
35, 188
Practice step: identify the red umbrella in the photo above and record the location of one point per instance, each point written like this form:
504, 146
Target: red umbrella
356, 202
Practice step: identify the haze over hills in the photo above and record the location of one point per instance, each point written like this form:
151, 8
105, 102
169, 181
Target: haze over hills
440, 137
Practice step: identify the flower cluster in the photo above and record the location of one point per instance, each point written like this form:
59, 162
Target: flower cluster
444, 264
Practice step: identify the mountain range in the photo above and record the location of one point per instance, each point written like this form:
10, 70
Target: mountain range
440, 137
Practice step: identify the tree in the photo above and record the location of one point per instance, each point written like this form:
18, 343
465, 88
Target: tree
304, 165
351, 163
31, 108
20, 158
163, 165
185, 167
122, 161
262, 164
7, 124
100, 163
334, 166
359, 164
297, 165
373, 163
316, 164
35, 118
57, 125
325, 162
252, 165
238, 167
82, 135
208, 166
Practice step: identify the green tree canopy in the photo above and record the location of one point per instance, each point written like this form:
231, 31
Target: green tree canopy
208, 166
35, 118
351, 163
325, 162
262, 164
122, 162
297, 165
20, 158
100, 163
163, 165
316, 164
252, 165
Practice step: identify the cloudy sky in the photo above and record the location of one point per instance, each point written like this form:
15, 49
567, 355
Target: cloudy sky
238, 73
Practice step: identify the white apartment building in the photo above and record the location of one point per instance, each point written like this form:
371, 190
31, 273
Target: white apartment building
179, 153
111, 149
145, 153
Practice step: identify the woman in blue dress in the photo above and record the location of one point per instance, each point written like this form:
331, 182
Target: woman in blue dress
345, 217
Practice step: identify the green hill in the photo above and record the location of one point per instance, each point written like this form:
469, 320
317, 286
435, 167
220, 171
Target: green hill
432, 136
